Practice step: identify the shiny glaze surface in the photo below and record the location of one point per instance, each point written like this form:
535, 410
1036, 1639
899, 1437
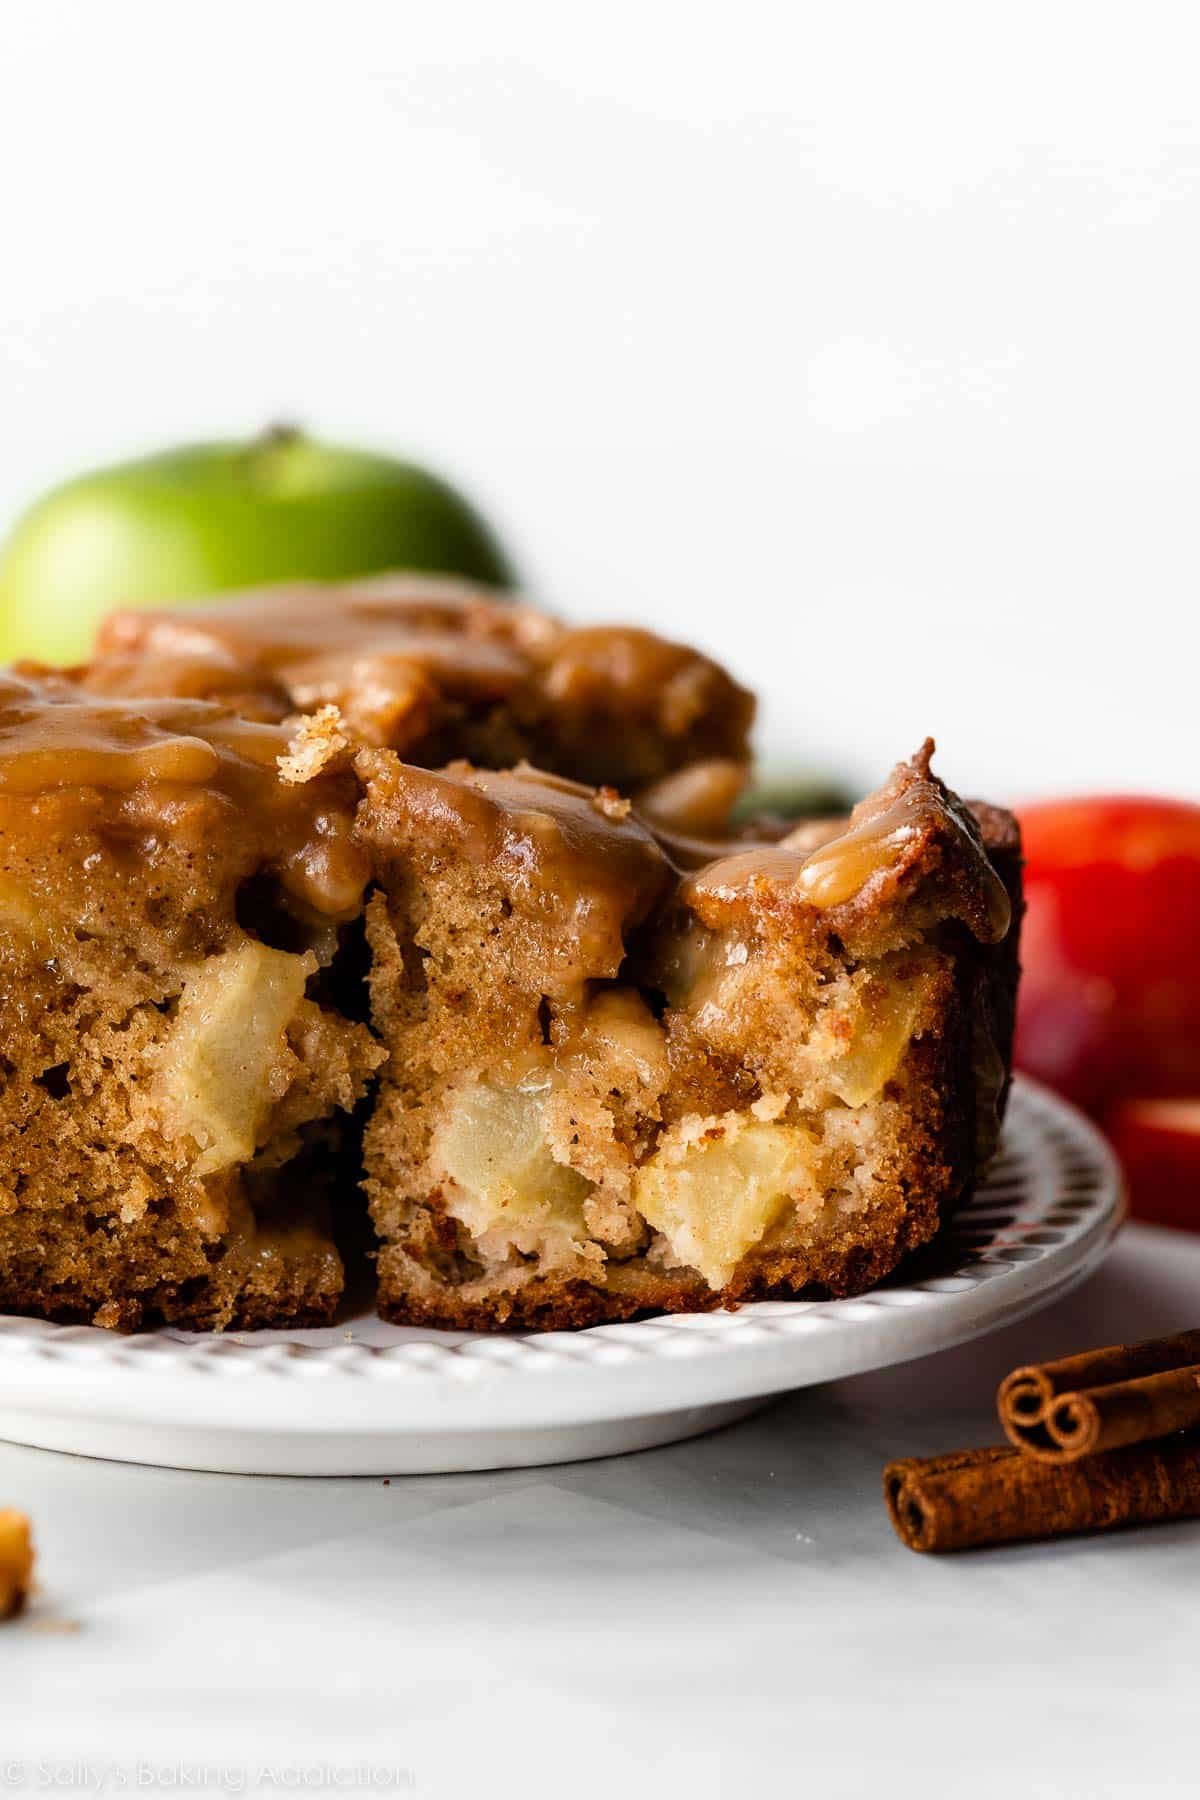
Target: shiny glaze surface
563, 841
912, 816
436, 668
72, 761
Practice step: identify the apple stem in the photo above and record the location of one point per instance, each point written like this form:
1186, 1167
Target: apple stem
277, 435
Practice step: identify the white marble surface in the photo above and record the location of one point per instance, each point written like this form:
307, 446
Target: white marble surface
728, 1616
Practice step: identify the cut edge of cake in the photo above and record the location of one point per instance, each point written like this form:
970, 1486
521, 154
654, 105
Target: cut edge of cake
606, 1096
174, 1070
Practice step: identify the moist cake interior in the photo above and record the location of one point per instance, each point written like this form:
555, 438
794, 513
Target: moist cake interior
173, 1077
615, 1086
268, 933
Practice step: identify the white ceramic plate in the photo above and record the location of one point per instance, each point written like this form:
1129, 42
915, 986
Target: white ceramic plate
365, 1398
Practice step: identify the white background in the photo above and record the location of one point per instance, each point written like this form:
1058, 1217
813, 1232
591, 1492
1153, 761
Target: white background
858, 341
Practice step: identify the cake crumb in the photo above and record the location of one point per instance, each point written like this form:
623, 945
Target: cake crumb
318, 742
16, 1561
612, 805
118, 1315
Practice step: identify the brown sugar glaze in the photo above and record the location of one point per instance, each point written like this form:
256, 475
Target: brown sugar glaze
834, 866
834, 872
70, 759
578, 862
574, 849
436, 669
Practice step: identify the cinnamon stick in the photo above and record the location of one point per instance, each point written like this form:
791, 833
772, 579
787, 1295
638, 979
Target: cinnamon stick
1029, 1398
1001, 1496
1127, 1412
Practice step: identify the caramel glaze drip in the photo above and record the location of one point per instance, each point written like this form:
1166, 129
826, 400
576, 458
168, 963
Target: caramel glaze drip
391, 651
404, 656
576, 859
886, 834
460, 637
914, 808
273, 629
213, 676
141, 761
570, 854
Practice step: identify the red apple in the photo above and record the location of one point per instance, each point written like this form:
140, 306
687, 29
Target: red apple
1158, 1142
1110, 998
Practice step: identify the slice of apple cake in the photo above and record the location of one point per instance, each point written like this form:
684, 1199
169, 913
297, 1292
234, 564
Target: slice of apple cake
614, 1084
174, 1063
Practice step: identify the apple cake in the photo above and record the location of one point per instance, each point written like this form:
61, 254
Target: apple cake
399, 884
615, 1084
175, 1065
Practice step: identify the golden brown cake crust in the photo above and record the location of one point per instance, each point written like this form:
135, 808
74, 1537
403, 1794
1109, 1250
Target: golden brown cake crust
173, 1304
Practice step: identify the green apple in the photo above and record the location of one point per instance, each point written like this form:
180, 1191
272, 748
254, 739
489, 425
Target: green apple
801, 795
193, 521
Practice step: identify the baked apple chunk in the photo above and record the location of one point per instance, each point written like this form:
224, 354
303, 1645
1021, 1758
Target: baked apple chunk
714, 1187
503, 1181
225, 1062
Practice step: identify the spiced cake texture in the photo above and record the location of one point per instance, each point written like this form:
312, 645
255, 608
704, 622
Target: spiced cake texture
603, 1057
615, 1086
173, 1073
